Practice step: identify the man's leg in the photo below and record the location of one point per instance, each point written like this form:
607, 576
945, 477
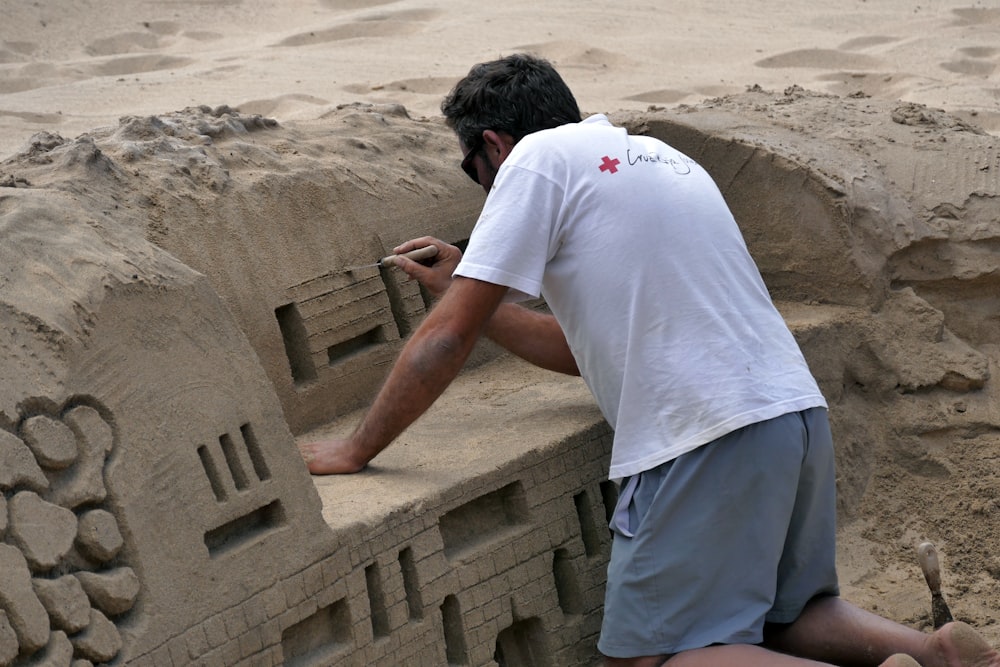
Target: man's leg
836, 632
744, 655
647, 661
700, 542
833, 630
741, 656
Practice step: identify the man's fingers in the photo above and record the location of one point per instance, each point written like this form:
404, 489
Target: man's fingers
408, 266
421, 242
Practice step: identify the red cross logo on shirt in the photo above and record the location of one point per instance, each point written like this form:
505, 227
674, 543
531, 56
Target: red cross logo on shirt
609, 164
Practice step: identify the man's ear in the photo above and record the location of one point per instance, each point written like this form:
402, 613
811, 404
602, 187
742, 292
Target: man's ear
498, 145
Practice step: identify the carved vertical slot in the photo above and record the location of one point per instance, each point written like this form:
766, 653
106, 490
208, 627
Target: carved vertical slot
296, 340
609, 495
376, 602
454, 635
522, 644
398, 305
588, 529
314, 640
212, 473
240, 478
411, 585
256, 453
567, 585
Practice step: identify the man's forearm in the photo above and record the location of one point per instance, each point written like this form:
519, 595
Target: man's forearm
535, 337
429, 361
425, 368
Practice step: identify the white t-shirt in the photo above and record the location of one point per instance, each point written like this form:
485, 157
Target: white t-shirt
640, 260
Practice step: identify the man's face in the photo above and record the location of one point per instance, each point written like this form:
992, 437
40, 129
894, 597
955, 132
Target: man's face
477, 164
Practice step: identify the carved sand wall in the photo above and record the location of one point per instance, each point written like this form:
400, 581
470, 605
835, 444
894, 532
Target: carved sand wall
155, 508
184, 296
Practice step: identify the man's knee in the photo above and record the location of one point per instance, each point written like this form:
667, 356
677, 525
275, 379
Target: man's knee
643, 661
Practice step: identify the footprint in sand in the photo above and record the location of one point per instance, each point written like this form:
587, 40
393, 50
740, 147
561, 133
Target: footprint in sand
821, 59
970, 67
202, 35
572, 54
430, 85
661, 96
150, 39
976, 15
32, 117
15, 52
866, 42
126, 42
353, 4
980, 61
137, 64
388, 24
392, 24
275, 106
32, 75
980, 51
851, 73
162, 27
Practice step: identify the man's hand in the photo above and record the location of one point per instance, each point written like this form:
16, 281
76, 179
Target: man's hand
531, 335
436, 277
335, 456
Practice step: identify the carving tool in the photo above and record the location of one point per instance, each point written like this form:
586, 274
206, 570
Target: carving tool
417, 255
927, 557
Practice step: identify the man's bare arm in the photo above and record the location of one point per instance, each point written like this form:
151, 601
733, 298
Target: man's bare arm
428, 363
532, 335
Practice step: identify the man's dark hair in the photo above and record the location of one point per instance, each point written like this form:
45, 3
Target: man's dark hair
519, 94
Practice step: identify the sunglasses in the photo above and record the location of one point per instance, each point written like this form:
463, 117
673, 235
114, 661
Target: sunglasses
467, 165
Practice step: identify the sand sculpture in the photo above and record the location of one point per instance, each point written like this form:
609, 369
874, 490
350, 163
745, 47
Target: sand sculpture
179, 304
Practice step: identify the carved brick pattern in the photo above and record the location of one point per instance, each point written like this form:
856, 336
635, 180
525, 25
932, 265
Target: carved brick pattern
240, 478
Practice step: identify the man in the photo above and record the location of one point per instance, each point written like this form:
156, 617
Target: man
723, 552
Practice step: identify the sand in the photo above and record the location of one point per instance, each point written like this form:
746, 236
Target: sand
71, 67
919, 447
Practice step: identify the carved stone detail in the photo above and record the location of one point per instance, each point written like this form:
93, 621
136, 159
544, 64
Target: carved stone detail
62, 591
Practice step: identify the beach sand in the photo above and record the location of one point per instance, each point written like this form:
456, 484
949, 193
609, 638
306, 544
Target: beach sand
79, 68
72, 67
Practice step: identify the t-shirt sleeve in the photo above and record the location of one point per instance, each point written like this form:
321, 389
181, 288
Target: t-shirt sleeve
516, 234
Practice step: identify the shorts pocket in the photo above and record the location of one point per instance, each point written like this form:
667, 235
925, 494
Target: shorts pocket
620, 522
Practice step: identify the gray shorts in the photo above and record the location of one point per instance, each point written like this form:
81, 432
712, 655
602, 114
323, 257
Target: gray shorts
736, 533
